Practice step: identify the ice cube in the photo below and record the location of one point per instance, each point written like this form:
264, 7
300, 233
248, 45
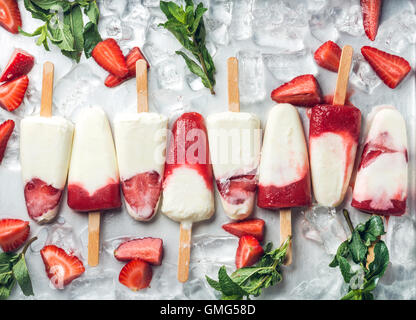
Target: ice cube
287, 66
194, 82
218, 32
154, 54
64, 237
116, 7
322, 27
220, 10
151, 3
159, 36
315, 6
110, 27
251, 76
349, 19
169, 75
241, 27
136, 15
95, 284
401, 232
205, 249
362, 76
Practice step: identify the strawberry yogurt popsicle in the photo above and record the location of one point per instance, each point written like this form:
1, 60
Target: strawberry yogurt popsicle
93, 181
141, 143
333, 139
284, 179
45, 150
381, 181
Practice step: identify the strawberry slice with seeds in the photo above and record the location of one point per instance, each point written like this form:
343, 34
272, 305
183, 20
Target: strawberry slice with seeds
371, 14
13, 92
6, 130
108, 55
249, 252
13, 233
61, 268
19, 64
131, 59
10, 15
254, 227
303, 91
40, 198
146, 249
136, 275
328, 56
390, 68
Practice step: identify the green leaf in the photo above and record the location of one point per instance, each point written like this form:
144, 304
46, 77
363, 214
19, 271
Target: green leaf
357, 248
214, 284
91, 38
76, 24
228, 286
374, 228
37, 12
381, 261
345, 268
177, 12
5, 290
62, 32
54, 5
92, 12
199, 12
164, 6
353, 295
195, 69
342, 251
21, 274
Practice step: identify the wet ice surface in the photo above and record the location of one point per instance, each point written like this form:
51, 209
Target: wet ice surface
274, 41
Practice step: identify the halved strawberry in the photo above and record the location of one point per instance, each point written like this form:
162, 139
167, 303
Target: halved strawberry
13, 92
249, 252
108, 55
328, 56
131, 59
390, 68
6, 130
146, 249
303, 91
40, 198
371, 15
61, 267
136, 275
19, 64
10, 15
254, 227
13, 233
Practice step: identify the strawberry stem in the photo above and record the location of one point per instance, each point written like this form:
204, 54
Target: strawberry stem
28, 244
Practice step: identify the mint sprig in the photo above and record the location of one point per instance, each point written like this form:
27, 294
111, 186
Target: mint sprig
64, 25
187, 25
250, 281
351, 258
13, 269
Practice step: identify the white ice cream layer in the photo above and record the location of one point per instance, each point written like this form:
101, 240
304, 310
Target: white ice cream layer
45, 149
284, 156
93, 160
186, 196
140, 142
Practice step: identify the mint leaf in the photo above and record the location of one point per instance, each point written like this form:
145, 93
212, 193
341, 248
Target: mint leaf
357, 248
228, 286
374, 228
5, 290
91, 38
214, 284
381, 261
92, 12
21, 274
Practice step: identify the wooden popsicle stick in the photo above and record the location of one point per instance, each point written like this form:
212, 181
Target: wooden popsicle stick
343, 75
141, 84
233, 92
47, 90
184, 256
93, 238
285, 231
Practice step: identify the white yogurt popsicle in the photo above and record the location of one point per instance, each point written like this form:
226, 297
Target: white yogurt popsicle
141, 144
235, 141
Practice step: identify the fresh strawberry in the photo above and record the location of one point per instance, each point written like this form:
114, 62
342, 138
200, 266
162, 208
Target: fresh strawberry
131, 59
302, 91
108, 55
390, 68
19, 64
371, 15
136, 275
254, 227
6, 130
328, 56
61, 267
10, 15
40, 198
146, 249
249, 252
13, 92
13, 233
142, 193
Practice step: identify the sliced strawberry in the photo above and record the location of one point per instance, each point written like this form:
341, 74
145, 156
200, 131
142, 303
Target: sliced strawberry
6, 130
108, 55
136, 275
371, 15
10, 15
142, 193
302, 91
13, 92
146, 249
249, 252
390, 68
61, 267
19, 64
13, 233
131, 59
254, 227
328, 56
40, 198
237, 188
